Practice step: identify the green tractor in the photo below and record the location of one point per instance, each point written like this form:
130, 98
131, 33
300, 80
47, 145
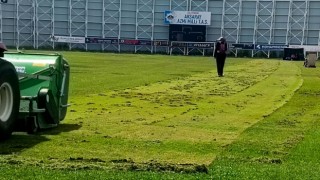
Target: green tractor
33, 91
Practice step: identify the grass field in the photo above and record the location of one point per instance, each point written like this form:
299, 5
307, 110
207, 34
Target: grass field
171, 117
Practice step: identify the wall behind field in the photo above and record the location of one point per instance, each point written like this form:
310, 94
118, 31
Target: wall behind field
30, 23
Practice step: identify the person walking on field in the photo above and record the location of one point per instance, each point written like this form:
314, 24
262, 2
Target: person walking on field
220, 53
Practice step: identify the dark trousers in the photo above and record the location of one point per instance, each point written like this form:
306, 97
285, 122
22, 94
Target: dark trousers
220, 59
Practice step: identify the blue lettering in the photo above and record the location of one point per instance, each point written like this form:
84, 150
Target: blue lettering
181, 21
203, 22
192, 16
192, 21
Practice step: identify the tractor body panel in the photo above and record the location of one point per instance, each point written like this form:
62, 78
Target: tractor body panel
44, 85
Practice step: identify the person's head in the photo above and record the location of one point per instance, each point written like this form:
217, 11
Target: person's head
221, 39
3, 48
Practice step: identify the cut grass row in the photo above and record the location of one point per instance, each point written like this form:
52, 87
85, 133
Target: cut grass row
283, 145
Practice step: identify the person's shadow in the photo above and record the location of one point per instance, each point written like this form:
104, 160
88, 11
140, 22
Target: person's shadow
20, 141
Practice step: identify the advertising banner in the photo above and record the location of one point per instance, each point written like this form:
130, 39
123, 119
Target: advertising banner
242, 46
187, 17
101, 40
201, 45
68, 39
145, 42
271, 47
160, 43
135, 42
178, 44
129, 41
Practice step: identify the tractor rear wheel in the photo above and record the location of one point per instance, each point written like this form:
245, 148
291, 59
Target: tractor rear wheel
9, 98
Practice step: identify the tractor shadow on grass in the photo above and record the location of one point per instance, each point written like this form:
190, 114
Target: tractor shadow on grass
20, 141
61, 128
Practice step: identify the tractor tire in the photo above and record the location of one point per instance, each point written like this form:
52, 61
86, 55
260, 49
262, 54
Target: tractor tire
9, 98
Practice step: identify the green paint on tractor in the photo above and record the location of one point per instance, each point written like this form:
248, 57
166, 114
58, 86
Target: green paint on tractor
44, 86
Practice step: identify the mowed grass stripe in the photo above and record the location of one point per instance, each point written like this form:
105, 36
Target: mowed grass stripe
93, 73
283, 145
